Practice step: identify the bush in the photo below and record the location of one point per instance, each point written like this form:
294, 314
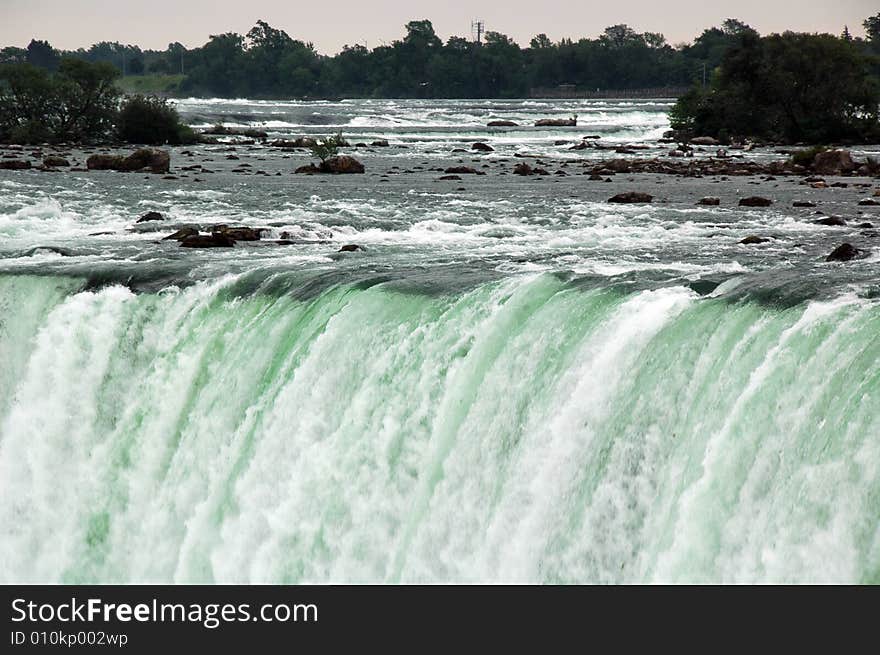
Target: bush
805, 157
328, 147
152, 121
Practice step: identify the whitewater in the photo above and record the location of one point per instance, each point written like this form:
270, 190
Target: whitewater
513, 382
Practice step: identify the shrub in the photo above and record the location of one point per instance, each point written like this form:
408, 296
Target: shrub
805, 157
151, 120
329, 147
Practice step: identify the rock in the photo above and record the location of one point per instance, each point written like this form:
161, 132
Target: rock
618, 166
753, 240
14, 165
381, 143
833, 162
631, 197
450, 177
460, 170
308, 168
522, 169
755, 201
844, 253
299, 142
215, 240
351, 247
150, 159
869, 202
342, 164
557, 122
151, 216
865, 226
803, 203
482, 147
712, 202
181, 234
53, 161
240, 233
834, 221
704, 141
222, 130
502, 124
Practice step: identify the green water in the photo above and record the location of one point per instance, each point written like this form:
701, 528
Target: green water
522, 430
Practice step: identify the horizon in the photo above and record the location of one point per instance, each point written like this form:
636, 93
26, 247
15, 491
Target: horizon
70, 28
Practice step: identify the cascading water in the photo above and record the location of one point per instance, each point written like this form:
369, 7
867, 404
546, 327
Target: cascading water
523, 429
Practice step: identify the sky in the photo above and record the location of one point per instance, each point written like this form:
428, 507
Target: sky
70, 24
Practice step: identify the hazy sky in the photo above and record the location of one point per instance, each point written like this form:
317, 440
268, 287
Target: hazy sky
69, 24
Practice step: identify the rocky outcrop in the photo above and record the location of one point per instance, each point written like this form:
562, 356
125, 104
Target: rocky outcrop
181, 234
502, 124
339, 165
753, 240
557, 122
214, 240
844, 253
522, 169
460, 170
381, 143
709, 202
14, 165
755, 201
482, 147
351, 247
833, 221
143, 159
151, 216
631, 197
54, 161
869, 202
833, 162
240, 233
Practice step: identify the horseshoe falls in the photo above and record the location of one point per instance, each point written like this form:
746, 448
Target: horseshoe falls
526, 428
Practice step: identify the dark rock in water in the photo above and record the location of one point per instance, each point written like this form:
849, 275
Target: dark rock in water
618, 165
540, 171
502, 124
753, 240
844, 253
869, 202
595, 177
308, 168
215, 240
482, 147
351, 247
834, 221
14, 165
240, 233
342, 164
704, 141
143, 159
712, 202
53, 161
833, 162
222, 130
803, 203
865, 226
151, 216
557, 122
522, 169
381, 143
450, 177
460, 170
631, 197
182, 234
755, 201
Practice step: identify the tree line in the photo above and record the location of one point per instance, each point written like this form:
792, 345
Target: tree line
267, 62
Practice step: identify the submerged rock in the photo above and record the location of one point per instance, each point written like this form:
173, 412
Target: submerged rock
502, 124
755, 201
803, 203
753, 239
632, 197
482, 147
461, 170
869, 202
151, 216
351, 247
834, 221
712, 202
844, 253
557, 122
